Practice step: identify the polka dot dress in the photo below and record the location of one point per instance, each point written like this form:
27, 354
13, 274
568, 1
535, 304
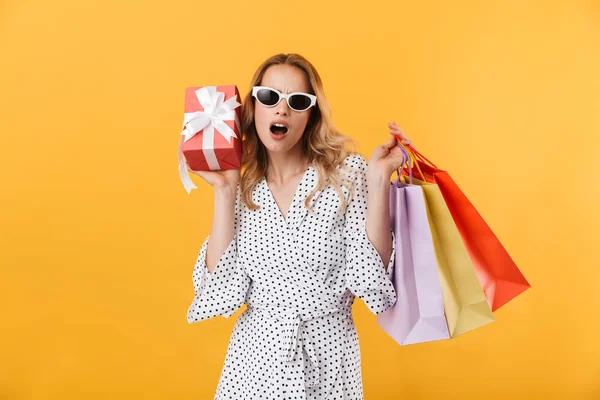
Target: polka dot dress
298, 276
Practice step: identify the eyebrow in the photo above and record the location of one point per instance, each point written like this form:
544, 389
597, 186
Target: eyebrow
293, 91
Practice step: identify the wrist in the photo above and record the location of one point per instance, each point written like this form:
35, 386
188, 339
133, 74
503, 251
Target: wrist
225, 191
378, 179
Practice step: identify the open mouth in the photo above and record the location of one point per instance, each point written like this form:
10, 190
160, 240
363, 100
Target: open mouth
279, 129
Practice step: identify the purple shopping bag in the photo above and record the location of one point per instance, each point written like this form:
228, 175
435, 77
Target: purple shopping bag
418, 315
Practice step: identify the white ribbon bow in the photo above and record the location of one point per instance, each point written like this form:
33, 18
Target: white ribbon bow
216, 111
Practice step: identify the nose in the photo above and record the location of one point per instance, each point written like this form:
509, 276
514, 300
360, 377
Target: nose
282, 107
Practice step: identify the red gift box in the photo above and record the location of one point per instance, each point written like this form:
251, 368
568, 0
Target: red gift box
211, 137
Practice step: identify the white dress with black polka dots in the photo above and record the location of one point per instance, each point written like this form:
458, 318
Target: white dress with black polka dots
298, 276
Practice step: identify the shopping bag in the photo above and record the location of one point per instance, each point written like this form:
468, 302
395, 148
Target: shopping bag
498, 274
464, 301
418, 314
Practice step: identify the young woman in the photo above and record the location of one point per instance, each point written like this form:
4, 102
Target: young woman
293, 239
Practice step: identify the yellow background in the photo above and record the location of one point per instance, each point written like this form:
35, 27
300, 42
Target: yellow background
98, 237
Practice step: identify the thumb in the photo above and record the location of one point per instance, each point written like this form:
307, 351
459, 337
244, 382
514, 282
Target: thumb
391, 143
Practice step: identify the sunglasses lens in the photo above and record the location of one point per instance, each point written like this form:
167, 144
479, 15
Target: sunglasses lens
299, 102
267, 97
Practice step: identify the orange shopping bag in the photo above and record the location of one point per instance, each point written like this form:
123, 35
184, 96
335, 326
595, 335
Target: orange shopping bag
498, 274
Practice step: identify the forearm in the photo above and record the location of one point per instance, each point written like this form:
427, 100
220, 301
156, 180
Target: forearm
378, 214
223, 225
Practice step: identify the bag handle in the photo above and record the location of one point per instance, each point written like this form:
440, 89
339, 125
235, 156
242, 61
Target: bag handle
405, 160
419, 156
412, 160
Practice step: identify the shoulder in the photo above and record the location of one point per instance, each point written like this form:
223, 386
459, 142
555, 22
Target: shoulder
355, 160
355, 164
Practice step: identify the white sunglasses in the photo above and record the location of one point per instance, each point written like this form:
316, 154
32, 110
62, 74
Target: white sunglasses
297, 101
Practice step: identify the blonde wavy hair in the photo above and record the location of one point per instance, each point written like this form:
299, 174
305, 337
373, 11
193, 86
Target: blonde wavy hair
323, 145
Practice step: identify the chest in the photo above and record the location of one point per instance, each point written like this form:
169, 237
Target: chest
283, 195
307, 244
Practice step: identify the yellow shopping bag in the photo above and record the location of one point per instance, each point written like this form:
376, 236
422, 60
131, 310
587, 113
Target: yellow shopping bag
465, 303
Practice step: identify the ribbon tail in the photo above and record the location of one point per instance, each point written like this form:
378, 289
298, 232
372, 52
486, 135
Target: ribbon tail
225, 130
183, 172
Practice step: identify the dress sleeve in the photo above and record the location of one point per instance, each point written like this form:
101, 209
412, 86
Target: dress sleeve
366, 276
224, 291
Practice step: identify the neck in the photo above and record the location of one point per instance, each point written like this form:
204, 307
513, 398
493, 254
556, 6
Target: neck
284, 166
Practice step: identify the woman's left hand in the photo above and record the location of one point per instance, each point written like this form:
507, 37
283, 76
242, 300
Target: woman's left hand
395, 130
388, 157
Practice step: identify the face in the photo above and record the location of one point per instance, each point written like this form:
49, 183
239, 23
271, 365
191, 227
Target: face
286, 79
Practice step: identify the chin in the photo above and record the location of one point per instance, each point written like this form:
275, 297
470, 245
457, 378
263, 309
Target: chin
278, 147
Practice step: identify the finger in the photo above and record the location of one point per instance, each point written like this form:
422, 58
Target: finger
396, 128
398, 131
391, 143
398, 137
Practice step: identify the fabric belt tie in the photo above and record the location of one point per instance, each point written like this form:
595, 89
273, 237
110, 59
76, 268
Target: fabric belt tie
289, 322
